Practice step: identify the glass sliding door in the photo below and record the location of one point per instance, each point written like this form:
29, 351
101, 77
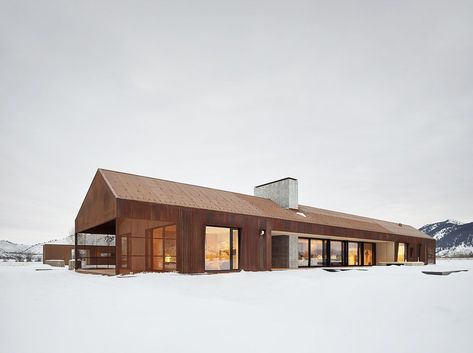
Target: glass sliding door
402, 252
221, 249
317, 252
353, 254
303, 252
161, 248
336, 253
368, 257
321, 252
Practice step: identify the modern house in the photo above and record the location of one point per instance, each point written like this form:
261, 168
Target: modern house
160, 225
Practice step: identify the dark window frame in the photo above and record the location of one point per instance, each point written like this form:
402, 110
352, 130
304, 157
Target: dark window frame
359, 253
326, 251
149, 255
373, 256
308, 247
406, 251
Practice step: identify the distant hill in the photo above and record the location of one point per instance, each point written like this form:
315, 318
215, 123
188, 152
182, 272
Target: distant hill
454, 239
10, 250
9, 247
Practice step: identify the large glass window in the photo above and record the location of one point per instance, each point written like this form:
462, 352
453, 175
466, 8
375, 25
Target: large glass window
401, 252
320, 252
316, 252
303, 252
367, 254
353, 254
336, 255
221, 249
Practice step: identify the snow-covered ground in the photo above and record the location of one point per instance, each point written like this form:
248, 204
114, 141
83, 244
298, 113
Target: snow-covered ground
385, 309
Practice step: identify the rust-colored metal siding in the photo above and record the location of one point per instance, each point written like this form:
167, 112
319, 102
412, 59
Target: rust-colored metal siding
135, 218
57, 252
98, 207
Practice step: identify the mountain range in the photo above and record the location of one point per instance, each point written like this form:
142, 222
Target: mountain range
454, 239
21, 252
10, 250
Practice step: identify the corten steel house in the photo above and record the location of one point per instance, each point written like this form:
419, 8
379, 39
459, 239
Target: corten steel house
159, 225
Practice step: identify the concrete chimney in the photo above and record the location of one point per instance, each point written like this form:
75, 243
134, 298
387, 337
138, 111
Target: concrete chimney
283, 192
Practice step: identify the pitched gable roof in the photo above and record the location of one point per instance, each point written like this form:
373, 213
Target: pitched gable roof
146, 189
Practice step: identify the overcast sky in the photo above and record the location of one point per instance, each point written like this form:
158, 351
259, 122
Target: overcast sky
368, 103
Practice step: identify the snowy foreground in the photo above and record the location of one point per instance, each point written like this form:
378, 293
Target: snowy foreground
385, 309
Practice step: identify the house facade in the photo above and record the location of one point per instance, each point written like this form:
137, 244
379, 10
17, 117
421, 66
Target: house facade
160, 225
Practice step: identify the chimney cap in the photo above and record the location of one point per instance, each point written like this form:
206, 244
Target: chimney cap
275, 181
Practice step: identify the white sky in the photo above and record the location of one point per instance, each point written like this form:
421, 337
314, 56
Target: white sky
369, 104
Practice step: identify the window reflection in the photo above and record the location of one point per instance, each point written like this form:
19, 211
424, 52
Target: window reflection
321, 252
303, 251
367, 254
221, 249
316, 252
336, 253
353, 258
401, 252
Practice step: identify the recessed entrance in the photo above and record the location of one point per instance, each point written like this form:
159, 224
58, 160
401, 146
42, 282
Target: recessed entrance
292, 251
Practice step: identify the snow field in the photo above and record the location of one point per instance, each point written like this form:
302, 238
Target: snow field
385, 309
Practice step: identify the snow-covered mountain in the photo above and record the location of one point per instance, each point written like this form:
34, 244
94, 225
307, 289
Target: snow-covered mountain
454, 239
10, 250
9, 247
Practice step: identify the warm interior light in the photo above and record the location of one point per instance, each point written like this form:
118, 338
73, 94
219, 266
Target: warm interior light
167, 259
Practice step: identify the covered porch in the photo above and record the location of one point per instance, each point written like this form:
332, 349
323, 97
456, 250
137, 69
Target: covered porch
95, 249
301, 250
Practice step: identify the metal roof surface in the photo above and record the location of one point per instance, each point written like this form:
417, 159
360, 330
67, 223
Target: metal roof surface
141, 188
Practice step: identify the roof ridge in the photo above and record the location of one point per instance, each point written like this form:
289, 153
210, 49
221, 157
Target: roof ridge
203, 197
181, 183
100, 170
358, 216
